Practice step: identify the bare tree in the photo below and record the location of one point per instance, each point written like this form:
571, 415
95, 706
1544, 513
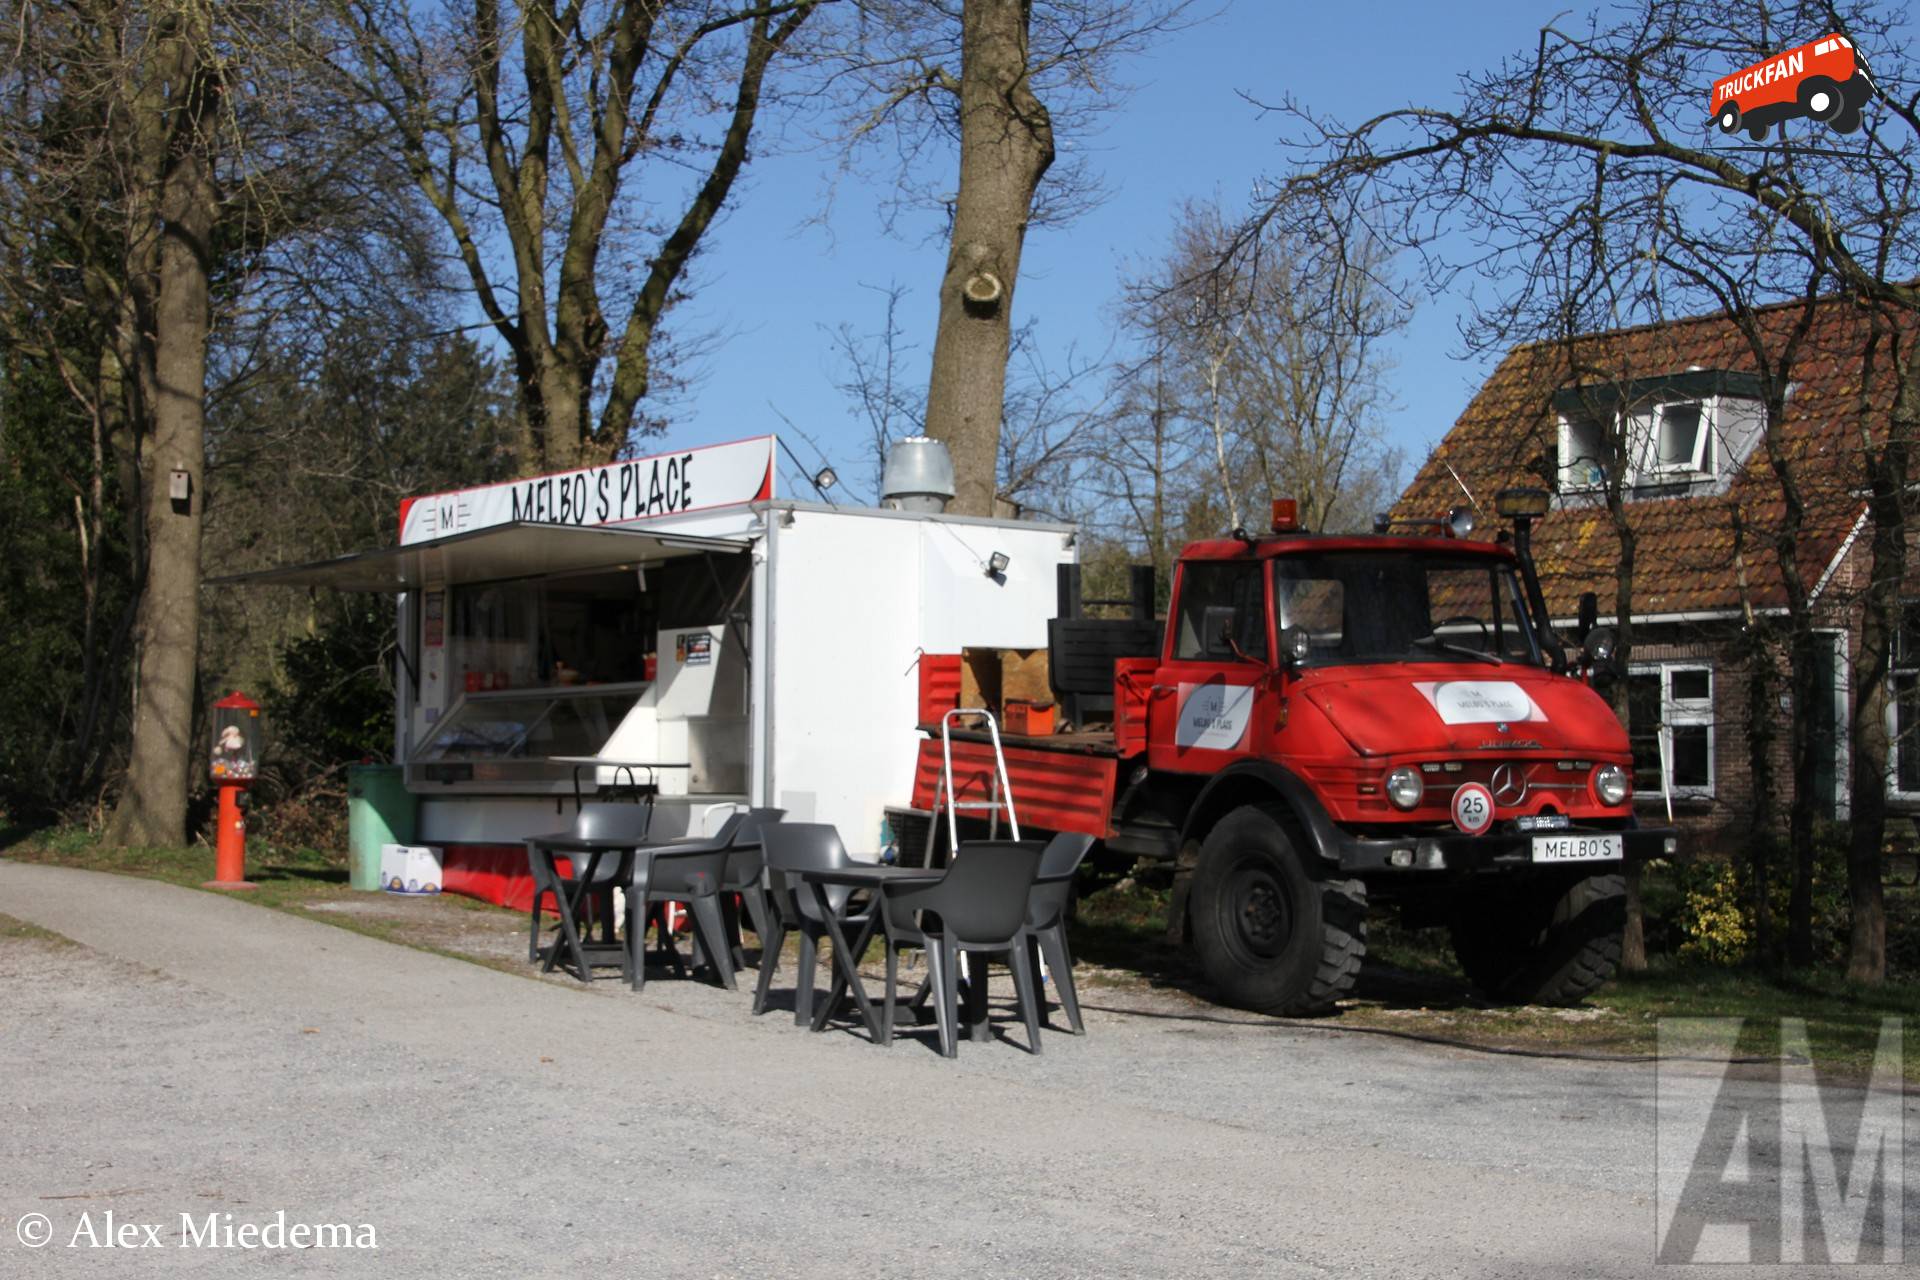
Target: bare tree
885, 396
1594, 137
528, 129
1145, 467
1049, 412
1006, 147
158, 158
120, 108
1004, 80
173, 121
1259, 371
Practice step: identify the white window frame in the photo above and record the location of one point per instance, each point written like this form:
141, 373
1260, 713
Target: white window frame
1675, 713
1565, 458
1901, 664
1641, 430
1842, 695
1701, 464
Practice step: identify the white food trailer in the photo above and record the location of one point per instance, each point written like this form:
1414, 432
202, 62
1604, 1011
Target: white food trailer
673, 611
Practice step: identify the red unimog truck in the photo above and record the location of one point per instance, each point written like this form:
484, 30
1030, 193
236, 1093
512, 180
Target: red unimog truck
1329, 720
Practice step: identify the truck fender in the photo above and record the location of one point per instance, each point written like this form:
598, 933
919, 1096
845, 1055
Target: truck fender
1263, 782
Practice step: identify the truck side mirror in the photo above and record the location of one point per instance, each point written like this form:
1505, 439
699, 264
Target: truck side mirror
1589, 615
1216, 632
1599, 650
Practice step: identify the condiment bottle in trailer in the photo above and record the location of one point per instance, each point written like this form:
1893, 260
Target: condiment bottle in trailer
235, 760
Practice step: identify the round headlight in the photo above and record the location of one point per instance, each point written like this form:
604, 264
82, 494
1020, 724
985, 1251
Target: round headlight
1404, 787
1611, 784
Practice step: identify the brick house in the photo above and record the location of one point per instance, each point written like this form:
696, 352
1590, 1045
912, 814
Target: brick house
1678, 409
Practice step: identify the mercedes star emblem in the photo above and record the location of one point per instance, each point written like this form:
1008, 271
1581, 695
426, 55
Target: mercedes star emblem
1509, 785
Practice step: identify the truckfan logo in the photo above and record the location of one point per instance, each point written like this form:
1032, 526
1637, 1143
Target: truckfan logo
1826, 81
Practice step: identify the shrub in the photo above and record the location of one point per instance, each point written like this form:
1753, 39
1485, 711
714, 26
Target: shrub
1708, 909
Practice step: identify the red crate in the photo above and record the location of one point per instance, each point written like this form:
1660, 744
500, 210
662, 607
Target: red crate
1030, 719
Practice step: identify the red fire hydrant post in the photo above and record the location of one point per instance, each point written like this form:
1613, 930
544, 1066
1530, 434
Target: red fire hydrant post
235, 759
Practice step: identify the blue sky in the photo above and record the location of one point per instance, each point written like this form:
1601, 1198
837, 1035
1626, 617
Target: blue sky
771, 289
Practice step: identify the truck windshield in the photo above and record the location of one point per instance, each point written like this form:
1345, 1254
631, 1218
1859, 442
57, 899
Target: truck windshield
1396, 606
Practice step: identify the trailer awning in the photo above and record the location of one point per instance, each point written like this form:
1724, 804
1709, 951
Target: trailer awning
520, 549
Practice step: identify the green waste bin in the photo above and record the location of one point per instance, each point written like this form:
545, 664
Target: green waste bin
380, 810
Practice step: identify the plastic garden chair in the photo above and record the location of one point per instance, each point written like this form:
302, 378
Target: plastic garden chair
746, 875
693, 872
792, 848
981, 906
1047, 919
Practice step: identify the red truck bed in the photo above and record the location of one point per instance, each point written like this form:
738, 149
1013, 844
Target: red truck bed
1060, 781
1064, 782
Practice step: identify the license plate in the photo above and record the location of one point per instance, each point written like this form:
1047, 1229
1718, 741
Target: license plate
1577, 848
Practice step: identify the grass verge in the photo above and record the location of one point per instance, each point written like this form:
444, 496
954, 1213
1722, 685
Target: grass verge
1411, 986
21, 930
304, 882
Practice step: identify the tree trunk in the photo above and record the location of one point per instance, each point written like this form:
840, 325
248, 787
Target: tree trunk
152, 807
1867, 934
1800, 651
1887, 476
1633, 938
1006, 146
1760, 714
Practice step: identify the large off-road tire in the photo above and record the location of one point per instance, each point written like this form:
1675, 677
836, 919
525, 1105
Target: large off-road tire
1271, 936
1547, 942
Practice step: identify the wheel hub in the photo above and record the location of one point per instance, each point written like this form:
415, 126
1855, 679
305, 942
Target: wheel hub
1261, 917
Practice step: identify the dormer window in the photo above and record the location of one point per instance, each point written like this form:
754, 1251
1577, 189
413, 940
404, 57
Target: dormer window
1677, 429
1679, 438
1583, 454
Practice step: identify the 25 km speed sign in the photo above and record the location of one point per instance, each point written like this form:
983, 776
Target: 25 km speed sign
1472, 808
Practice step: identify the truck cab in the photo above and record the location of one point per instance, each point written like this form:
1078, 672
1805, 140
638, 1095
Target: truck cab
1333, 720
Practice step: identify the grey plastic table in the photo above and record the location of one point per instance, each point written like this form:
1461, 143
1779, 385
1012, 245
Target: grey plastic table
595, 848
846, 955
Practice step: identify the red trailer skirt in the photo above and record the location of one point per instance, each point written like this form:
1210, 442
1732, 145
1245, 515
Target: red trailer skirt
495, 873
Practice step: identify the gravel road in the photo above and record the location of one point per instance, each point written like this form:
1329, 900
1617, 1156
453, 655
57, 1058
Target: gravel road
198, 1056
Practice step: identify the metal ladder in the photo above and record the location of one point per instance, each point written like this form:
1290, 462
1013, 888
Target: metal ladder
1002, 790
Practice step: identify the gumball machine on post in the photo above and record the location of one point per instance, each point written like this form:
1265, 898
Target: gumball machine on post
236, 757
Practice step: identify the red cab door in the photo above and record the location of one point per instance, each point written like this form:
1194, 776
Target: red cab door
1215, 667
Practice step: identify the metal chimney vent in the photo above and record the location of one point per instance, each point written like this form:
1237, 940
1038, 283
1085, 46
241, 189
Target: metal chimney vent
918, 476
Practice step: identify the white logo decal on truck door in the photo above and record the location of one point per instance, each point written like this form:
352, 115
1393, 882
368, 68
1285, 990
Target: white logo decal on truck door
1213, 715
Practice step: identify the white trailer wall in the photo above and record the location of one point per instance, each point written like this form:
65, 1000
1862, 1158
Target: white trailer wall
857, 596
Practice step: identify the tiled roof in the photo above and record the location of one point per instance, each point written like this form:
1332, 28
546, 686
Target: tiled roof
1702, 552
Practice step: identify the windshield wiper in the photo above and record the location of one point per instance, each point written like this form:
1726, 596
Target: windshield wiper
1436, 642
